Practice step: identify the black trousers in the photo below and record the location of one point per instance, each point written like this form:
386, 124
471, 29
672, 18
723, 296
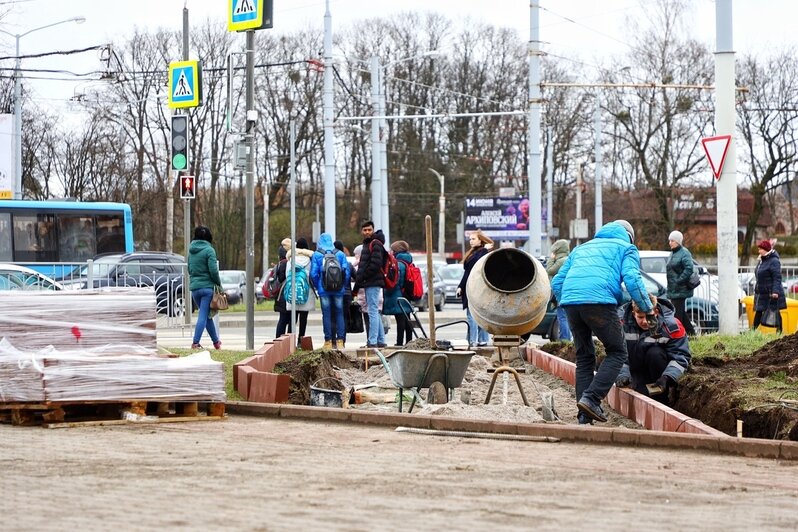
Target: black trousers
646, 366
681, 315
404, 329
284, 323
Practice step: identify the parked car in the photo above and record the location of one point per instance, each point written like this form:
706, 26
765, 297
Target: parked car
234, 283
160, 270
451, 274
703, 312
438, 287
14, 277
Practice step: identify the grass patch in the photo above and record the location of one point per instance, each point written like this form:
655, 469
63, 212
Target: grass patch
727, 346
266, 305
228, 358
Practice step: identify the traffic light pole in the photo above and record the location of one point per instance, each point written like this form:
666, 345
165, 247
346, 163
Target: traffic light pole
250, 195
186, 203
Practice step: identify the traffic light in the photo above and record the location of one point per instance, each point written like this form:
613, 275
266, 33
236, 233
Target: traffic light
187, 189
180, 143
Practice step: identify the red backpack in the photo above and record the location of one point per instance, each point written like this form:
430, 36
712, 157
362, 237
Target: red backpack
390, 268
413, 287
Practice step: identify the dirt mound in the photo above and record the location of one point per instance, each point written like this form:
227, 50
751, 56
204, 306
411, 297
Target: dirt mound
307, 367
566, 351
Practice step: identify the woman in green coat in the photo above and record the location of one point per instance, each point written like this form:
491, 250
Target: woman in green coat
679, 269
203, 270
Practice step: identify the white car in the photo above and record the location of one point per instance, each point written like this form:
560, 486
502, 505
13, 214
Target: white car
14, 277
654, 262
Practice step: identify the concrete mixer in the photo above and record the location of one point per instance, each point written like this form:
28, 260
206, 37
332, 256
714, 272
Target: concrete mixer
508, 292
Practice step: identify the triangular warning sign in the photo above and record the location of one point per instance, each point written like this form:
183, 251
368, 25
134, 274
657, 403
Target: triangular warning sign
716, 148
182, 88
244, 7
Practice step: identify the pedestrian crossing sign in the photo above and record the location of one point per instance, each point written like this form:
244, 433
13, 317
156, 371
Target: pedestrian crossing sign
245, 15
185, 84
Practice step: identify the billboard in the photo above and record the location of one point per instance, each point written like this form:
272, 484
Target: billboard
7, 158
499, 218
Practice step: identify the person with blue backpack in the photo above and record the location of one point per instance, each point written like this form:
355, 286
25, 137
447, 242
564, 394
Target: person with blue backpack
329, 273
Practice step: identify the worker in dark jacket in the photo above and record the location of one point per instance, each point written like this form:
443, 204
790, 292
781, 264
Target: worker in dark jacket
657, 356
370, 278
769, 290
678, 270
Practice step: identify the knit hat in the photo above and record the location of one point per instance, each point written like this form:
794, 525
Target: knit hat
676, 236
764, 244
399, 246
286, 243
629, 229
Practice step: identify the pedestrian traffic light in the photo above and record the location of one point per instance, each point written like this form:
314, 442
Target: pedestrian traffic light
180, 143
187, 190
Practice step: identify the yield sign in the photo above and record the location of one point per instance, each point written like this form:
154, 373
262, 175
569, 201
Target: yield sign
716, 148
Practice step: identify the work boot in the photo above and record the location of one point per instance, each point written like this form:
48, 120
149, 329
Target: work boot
591, 409
339, 344
582, 419
327, 344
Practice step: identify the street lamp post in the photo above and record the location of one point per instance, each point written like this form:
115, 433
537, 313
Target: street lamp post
18, 101
441, 215
379, 159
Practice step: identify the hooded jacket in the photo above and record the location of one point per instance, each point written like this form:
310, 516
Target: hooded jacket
560, 250
390, 305
372, 258
203, 267
594, 271
303, 259
317, 265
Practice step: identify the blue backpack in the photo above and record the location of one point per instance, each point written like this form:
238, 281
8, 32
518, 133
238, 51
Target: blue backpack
302, 285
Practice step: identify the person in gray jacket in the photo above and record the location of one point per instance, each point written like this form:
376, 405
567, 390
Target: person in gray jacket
678, 270
559, 252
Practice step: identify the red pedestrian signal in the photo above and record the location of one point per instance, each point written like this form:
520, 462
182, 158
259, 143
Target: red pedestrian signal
187, 190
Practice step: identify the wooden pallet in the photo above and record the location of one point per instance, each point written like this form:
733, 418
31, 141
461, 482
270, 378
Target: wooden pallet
54, 414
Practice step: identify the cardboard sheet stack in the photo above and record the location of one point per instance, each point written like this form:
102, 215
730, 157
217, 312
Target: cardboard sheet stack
94, 346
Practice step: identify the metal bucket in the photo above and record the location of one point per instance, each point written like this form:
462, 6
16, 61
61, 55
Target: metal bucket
508, 291
325, 397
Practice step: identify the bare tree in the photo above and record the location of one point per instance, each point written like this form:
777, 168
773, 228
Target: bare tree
767, 121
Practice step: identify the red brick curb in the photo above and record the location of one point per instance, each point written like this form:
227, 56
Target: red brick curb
751, 447
253, 379
637, 407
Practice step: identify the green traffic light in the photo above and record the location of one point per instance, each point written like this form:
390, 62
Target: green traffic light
179, 162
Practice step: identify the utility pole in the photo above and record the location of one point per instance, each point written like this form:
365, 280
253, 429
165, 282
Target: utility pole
250, 183
329, 130
725, 117
534, 129
599, 212
376, 152
441, 215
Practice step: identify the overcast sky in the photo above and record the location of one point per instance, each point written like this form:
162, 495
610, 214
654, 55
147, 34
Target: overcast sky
572, 28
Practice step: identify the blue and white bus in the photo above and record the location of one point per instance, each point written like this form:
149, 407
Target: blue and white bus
41, 234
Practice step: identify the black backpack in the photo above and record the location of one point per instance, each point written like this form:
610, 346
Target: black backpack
332, 276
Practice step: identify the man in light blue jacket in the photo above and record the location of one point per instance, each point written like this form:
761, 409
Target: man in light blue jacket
331, 291
589, 287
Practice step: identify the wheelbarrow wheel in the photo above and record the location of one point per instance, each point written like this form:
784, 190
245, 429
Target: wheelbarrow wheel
437, 394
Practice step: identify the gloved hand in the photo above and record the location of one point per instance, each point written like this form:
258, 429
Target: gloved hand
664, 382
458, 293
624, 380
651, 319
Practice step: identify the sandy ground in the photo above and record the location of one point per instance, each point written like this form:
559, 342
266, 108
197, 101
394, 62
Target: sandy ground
271, 474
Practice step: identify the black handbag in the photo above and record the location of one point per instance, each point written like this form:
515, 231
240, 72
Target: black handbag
355, 324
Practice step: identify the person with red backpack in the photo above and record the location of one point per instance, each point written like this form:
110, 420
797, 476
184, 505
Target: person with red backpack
391, 305
371, 278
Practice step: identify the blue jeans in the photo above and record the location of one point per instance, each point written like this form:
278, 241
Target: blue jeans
476, 334
603, 321
332, 311
562, 319
376, 334
202, 301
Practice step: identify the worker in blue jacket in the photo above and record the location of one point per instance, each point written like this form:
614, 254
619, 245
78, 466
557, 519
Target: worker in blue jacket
659, 355
589, 287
